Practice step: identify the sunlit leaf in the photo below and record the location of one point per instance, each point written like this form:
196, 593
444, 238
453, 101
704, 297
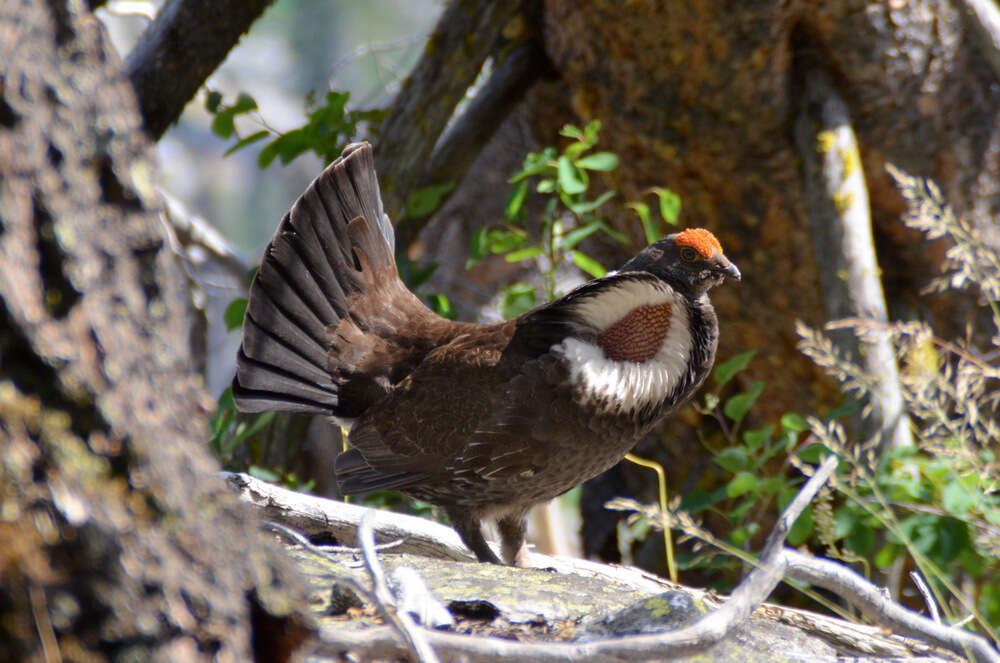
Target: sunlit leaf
252, 138
725, 371
670, 205
572, 180
588, 264
742, 483
737, 407
603, 161
523, 254
515, 200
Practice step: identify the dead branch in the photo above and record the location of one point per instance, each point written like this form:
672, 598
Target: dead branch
400, 619
463, 38
180, 49
837, 207
881, 609
314, 515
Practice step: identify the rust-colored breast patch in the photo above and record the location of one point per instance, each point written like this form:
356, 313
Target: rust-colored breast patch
638, 335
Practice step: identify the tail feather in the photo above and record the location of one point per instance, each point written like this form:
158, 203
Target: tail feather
329, 324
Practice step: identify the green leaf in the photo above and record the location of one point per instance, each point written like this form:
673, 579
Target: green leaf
649, 226
733, 459
517, 299
548, 185
957, 498
268, 154
602, 161
479, 247
515, 200
742, 483
536, 164
755, 439
794, 422
586, 206
725, 371
258, 424
571, 131
887, 555
588, 264
424, 201
212, 101
222, 123
442, 306
572, 180
737, 407
226, 401
502, 241
252, 138
523, 254
574, 237
670, 204
591, 132
234, 314
244, 104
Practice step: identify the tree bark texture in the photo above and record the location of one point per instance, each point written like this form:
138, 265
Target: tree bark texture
180, 49
115, 540
699, 97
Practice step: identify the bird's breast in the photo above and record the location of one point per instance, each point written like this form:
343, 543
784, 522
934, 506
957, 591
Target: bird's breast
639, 351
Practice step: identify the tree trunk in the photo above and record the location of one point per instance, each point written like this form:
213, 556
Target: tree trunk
115, 537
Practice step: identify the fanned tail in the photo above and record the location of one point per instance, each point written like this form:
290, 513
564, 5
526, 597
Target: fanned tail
325, 307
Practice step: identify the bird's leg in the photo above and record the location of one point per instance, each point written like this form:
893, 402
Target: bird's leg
468, 527
512, 530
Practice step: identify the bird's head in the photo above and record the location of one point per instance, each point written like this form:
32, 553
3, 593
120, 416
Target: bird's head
691, 261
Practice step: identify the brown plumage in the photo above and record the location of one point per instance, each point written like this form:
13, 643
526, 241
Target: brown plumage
482, 420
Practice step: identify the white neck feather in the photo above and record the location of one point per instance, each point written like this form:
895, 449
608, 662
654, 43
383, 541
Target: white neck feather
627, 385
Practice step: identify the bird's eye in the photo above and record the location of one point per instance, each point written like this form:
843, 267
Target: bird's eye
689, 254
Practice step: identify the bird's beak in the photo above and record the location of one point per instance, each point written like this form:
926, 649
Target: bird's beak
728, 268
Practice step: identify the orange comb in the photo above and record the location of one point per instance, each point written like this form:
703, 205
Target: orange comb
701, 240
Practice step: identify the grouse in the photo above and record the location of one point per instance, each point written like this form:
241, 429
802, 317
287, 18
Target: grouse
483, 420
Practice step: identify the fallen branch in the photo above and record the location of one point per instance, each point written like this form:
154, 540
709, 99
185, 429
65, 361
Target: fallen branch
881, 609
400, 619
315, 515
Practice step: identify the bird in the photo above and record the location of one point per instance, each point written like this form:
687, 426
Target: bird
483, 420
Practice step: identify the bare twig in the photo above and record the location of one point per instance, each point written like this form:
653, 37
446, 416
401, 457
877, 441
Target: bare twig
401, 620
837, 207
881, 609
925, 591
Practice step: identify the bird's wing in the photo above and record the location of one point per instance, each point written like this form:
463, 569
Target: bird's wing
482, 391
